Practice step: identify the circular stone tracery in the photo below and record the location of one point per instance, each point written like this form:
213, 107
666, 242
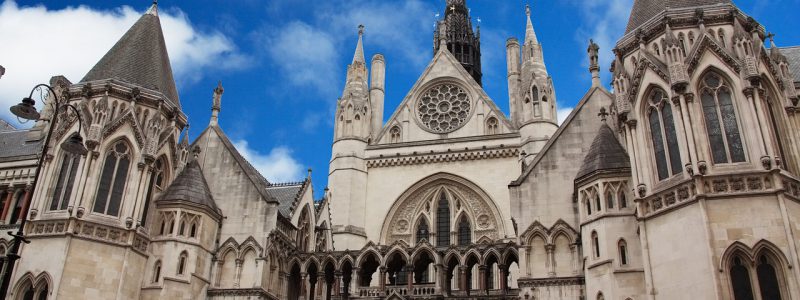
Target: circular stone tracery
444, 108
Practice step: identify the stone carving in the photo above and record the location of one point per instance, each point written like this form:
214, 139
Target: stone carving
444, 108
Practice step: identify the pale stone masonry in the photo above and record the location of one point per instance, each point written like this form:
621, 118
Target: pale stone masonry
681, 182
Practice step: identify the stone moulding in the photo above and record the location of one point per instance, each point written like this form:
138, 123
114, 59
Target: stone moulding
539, 282
111, 235
441, 157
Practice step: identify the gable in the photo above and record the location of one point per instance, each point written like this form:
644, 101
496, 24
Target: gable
444, 82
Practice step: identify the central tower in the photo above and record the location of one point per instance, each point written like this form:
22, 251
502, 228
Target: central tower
455, 31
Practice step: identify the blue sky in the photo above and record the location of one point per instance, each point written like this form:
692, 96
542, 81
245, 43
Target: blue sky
283, 62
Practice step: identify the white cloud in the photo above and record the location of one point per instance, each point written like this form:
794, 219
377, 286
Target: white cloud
309, 53
277, 166
306, 55
563, 113
38, 43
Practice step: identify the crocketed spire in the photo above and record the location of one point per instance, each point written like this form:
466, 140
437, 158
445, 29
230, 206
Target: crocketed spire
359, 55
530, 34
140, 58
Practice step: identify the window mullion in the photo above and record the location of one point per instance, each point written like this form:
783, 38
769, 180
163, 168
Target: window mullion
664, 141
722, 128
111, 186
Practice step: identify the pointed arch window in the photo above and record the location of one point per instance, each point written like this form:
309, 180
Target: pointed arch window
156, 185
394, 134
112, 180
422, 230
193, 230
65, 182
304, 231
464, 232
491, 125
721, 36
182, 262
595, 244
443, 221
182, 228
157, 272
663, 135
623, 252
609, 200
623, 202
767, 279
597, 202
740, 280
721, 120
588, 206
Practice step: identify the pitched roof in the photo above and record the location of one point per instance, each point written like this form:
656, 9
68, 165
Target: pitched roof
140, 57
190, 186
605, 154
793, 56
644, 10
5, 126
14, 146
287, 196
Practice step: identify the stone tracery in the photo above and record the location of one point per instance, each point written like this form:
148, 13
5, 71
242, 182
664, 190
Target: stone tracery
444, 108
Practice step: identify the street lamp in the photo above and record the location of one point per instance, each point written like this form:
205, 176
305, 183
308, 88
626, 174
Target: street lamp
73, 145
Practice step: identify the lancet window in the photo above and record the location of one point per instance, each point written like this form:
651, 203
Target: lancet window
663, 135
65, 181
721, 120
112, 180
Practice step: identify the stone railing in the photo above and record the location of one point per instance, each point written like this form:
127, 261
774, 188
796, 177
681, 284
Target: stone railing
370, 292
89, 230
716, 186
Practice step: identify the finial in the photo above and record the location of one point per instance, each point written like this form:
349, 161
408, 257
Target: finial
528, 10
309, 173
219, 89
361, 29
603, 114
153, 10
771, 37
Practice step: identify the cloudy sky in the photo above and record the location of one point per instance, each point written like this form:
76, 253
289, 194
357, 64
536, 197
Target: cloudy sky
283, 62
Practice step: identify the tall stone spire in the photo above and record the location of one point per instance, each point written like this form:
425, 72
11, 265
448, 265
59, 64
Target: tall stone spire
359, 55
140, 58
530, 34
217, 104
455, 31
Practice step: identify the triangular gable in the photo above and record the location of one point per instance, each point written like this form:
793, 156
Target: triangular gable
445, 66
259, 182
547, 147
708, 43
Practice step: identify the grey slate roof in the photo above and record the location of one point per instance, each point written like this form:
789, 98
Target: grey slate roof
14, 146
190, 186
644, 10
140, 58
286, 196
605, 154
5, 126
793, 56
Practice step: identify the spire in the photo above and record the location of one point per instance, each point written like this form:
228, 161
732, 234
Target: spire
140, 58
530, 34
217, 104
606, 155
359, 56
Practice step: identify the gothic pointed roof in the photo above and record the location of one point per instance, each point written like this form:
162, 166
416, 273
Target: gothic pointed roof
191, 187
530, 34
644, 10
605, 154
359, 55
140, 58
793, 57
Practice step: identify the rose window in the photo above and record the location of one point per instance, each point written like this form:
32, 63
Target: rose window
444, 108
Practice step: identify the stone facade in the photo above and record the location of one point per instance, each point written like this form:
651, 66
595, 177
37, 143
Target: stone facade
682, 183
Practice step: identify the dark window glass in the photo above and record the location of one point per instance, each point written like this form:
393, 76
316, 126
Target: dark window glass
672, 139
713, 128
62, 177
157, 272
740, 280
609, 200
163, 225
623, 254
182, 228
768, 280
720, 117
597, 202
623, 202
28, 295
105, 184
112, 181
193, 231
43, 293
596, 244
658, 145
119, 186
588, 207
464, 232
422, 230
181, 263
147, 200
776, 132
535, 94
731, 128
443, 222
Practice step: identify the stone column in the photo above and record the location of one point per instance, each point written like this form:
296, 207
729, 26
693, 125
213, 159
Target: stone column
573, 248
305, 291
410, 276
440, 278
9, 198
321, 286
462, 278
750, 93
551, 268
482, 278
26, 201
382, 278
238, 274
337, 283
503, 278
523, 261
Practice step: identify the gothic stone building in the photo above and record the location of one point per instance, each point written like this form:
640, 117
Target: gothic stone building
681, 182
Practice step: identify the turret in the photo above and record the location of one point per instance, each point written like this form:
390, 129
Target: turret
455, 31
377, 91
594, 63
676, 55
536, 113
217, 104
513, 64
621, 83
348, 169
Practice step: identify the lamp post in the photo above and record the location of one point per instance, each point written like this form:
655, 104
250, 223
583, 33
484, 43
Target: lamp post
73, 145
